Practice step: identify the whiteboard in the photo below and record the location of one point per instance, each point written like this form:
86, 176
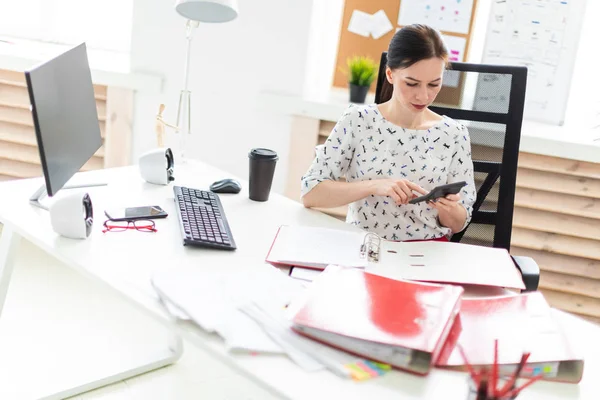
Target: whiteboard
541, 35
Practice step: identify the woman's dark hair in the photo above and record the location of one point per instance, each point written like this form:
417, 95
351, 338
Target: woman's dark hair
410, 45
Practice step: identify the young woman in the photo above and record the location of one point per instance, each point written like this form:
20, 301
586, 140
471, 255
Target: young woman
393, 152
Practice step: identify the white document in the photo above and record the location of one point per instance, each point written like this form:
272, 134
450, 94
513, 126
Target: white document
360, 23
316, 247
427, 261
445, 262
304, 274
244, 334
380, 24
279, 331
307, 353
210, 297
173, 309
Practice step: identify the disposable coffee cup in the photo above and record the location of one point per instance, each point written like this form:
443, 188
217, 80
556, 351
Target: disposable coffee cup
262, 168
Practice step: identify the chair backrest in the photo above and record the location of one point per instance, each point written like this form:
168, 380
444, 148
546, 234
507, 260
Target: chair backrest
489, 100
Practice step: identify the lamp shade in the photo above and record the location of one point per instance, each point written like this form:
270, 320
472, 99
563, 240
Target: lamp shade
207, 10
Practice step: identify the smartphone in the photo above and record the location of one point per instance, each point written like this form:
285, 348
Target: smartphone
440, 191
133, 213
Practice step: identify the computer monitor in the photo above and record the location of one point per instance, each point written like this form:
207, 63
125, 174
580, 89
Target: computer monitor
64, 116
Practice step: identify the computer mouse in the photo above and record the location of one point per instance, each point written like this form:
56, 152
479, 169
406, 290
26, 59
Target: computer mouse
226, 186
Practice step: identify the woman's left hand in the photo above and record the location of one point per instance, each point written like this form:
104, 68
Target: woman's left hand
445, 204
450, 212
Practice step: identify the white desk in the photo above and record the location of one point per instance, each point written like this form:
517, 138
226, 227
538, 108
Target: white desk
125, 262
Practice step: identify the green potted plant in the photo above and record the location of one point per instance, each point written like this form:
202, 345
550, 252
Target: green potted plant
361, 73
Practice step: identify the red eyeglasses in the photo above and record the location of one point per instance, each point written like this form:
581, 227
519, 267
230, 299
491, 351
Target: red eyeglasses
142, 225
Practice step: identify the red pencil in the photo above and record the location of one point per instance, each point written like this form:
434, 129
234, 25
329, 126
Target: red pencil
494, 381
474, 375
510, 384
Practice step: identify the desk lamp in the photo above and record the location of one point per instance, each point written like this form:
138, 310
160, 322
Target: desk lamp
196, 11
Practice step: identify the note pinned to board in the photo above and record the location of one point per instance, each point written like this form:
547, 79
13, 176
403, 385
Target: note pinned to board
365, 24
380, 24
456, 53
456, 47
360, 23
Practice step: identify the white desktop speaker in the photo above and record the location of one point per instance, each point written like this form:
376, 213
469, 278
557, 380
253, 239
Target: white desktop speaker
156, 166
72, 216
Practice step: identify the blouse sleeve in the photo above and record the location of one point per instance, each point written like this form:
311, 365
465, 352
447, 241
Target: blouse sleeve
333, 158
461, 169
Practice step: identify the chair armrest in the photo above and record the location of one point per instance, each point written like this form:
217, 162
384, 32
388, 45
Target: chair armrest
530, 272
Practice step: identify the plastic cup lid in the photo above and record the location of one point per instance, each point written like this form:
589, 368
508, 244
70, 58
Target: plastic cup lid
264, 154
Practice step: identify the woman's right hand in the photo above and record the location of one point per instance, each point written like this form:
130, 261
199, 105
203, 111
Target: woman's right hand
400, 190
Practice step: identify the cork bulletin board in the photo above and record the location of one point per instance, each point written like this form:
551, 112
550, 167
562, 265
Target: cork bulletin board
369, 25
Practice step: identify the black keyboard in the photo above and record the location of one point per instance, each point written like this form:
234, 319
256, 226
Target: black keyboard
202, 219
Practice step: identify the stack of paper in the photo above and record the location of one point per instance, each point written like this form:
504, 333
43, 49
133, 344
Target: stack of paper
309, 354
247, 308
210, 297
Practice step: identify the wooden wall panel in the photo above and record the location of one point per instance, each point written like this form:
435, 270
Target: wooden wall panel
118, 127
561, 263
19, 156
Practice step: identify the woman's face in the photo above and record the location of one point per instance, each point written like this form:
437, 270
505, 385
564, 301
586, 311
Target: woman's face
416, 87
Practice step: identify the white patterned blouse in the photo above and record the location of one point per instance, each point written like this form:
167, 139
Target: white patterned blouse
364, 145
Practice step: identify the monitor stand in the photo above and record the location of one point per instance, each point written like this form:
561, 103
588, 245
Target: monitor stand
36, 198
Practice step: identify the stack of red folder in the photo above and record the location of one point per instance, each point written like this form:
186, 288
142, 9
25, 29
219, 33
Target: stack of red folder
521, 323
401, 323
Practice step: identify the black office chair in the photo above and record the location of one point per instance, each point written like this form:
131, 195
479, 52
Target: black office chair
489, 100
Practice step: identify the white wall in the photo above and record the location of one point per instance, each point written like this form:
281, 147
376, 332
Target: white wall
323, 43
265, 48
583, 105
